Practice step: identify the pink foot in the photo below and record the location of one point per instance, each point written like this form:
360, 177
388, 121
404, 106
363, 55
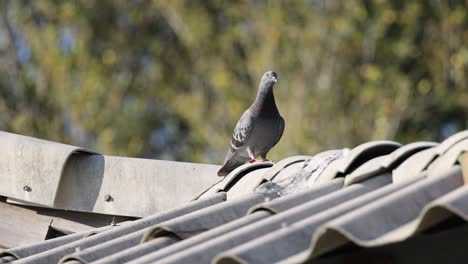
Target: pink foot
253, 160
265, 160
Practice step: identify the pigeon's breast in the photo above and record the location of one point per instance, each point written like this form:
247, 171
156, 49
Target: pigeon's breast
263, 135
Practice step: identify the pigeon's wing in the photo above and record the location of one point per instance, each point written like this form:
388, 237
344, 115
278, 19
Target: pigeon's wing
242, 131
239, 138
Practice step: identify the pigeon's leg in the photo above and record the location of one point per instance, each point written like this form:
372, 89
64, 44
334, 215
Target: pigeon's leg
251, 156
263, 156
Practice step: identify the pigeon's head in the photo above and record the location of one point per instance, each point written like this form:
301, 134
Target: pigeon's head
269, 79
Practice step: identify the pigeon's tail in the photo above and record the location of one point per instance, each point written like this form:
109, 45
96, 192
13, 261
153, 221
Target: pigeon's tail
230, 164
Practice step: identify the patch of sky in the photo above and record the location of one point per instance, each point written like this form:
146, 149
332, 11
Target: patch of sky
449, 129
67, 41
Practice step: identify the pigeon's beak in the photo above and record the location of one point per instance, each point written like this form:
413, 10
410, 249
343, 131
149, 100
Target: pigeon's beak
274, 79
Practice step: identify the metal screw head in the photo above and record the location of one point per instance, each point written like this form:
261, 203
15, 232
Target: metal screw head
27, 188
108, 198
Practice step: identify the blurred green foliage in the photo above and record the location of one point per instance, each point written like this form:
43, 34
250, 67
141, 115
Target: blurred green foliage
169, 79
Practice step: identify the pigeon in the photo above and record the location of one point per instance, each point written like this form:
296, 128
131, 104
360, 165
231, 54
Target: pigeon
258, 130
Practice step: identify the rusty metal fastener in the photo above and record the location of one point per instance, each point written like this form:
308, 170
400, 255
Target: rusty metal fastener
108, 198
27, 188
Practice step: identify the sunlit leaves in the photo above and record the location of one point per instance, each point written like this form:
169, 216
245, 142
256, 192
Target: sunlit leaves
169, 79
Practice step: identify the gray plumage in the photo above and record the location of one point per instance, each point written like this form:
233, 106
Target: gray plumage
258, 130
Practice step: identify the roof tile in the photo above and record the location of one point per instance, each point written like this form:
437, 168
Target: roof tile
378, 193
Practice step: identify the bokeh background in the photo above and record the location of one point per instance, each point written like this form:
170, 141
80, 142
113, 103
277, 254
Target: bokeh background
169, 79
